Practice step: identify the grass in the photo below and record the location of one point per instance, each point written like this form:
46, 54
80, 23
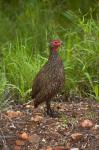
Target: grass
23, 55
20, 68
82, 59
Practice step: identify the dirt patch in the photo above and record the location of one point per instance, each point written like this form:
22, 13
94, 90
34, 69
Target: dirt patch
30, 129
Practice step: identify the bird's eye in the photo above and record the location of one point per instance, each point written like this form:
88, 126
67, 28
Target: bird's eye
55, 42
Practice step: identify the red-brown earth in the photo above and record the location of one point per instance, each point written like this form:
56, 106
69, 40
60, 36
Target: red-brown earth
77, 128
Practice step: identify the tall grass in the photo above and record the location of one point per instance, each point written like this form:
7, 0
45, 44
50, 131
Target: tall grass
23, 55
20, 68
82, 58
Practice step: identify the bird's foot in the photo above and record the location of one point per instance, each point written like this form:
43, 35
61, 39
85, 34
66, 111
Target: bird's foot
52, 113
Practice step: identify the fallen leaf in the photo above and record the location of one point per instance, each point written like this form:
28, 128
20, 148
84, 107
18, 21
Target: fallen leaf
87, 123
76, 136
24, 136
37, 118
13, 114
19, 142
34, 139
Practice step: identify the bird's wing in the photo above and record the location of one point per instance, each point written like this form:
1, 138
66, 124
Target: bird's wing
46, 93
39, 80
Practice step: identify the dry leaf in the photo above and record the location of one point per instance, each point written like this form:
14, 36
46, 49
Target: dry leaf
24, 136
19, 142
76, 136
87, 123
37, 118
13, 114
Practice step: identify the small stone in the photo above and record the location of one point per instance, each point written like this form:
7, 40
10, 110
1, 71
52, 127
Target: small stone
24, 136
87, 123
29, 106
96, 127
43, 140
12, 126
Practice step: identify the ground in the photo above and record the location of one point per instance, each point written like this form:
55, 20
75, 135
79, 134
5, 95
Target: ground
77, 128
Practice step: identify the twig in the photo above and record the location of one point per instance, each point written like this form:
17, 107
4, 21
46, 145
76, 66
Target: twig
4, 141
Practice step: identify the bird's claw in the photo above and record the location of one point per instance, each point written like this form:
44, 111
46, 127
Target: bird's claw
52, 113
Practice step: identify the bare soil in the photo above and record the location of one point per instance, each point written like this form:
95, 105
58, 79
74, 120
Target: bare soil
46, 133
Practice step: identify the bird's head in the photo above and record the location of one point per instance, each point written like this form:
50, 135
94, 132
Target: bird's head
55, 44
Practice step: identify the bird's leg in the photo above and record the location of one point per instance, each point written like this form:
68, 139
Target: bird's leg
49, 111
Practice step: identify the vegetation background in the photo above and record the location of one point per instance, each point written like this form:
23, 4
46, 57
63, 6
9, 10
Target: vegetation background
26, 27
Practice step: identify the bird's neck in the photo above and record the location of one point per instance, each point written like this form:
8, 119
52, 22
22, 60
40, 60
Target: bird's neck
53, 51
54, 56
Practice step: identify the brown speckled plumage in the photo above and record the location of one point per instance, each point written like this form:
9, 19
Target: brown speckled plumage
49, 81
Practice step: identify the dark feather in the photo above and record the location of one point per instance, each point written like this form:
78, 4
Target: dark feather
49, 81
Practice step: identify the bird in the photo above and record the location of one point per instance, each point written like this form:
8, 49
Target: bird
50, 79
